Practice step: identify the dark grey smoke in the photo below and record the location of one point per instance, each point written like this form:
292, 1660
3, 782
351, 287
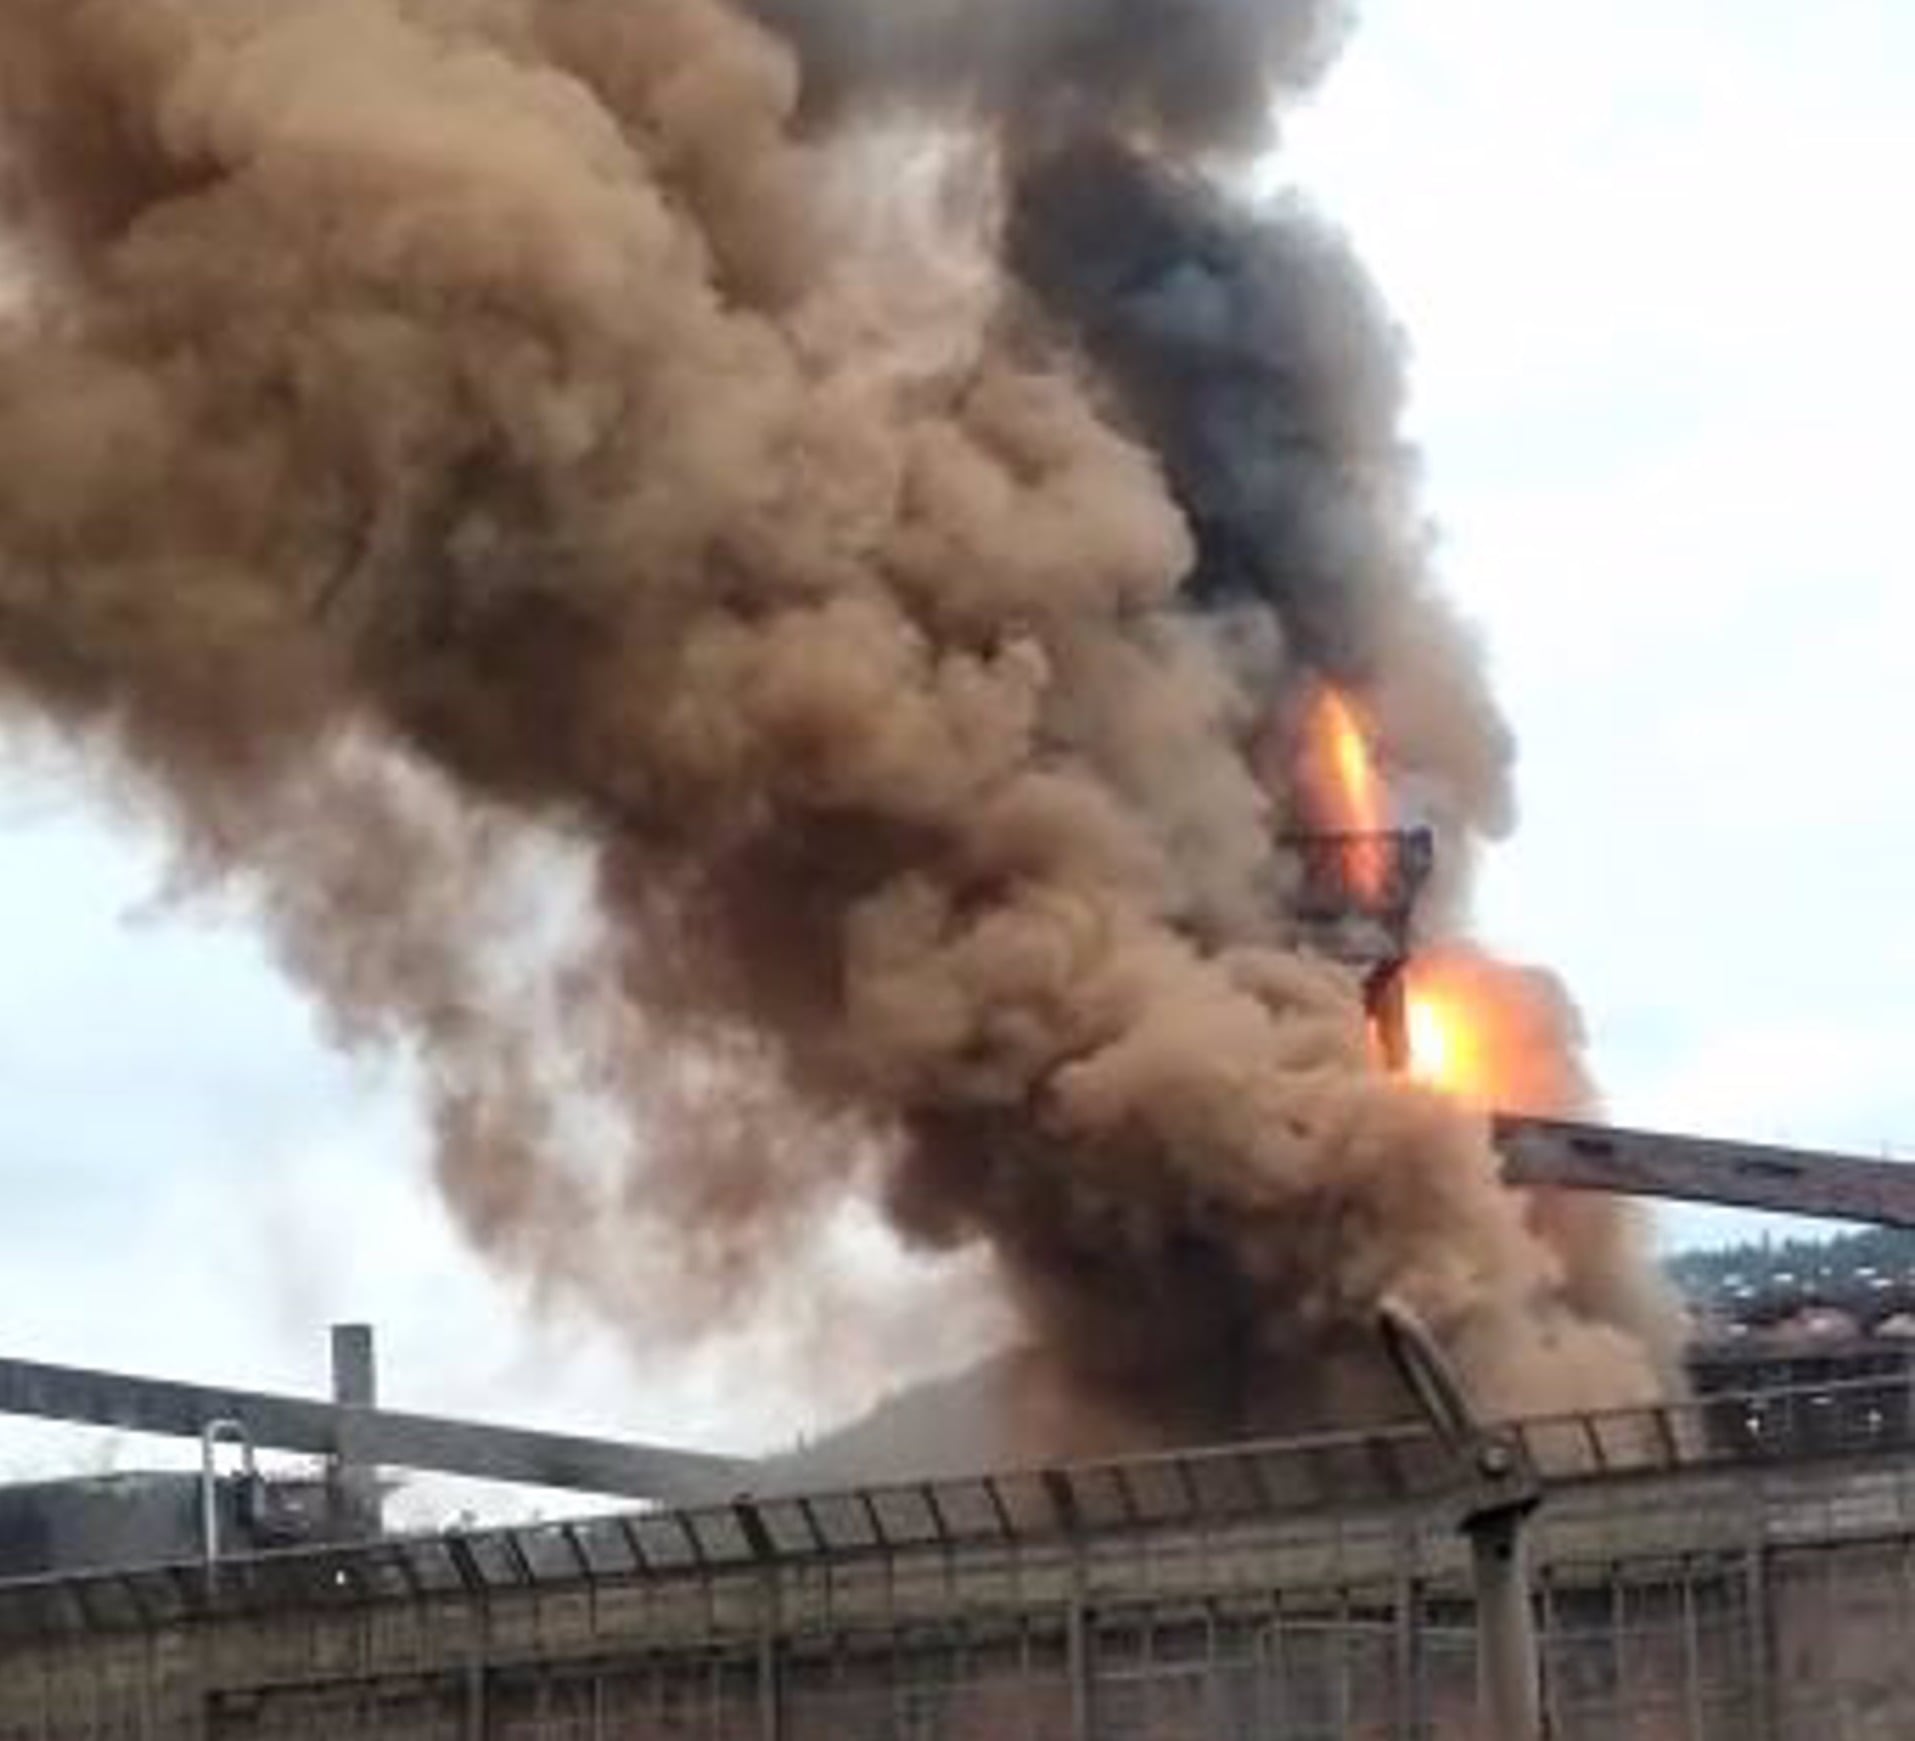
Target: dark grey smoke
1251, 351
1260, 364
1193, 73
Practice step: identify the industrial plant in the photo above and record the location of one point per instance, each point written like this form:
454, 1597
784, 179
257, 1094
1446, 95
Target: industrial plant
1732, 1563
793, 605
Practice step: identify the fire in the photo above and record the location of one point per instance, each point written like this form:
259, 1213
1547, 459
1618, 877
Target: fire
1353, 791
1491, 1034
1339, 728
1445, 1040
1467, 1025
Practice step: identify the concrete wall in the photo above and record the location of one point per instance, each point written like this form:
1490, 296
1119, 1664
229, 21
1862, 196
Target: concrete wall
1762, 1604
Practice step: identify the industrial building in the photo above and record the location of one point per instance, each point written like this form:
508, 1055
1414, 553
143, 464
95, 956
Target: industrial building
1308, 1590
1738, 1564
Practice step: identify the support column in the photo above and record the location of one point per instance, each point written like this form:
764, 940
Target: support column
354, 1498
1508, 1689
771, 1700
771, 1707
1077, 1654
1408, 1667
1761, 1645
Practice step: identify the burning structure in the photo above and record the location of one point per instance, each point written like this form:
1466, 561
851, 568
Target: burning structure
810, 577
857, 501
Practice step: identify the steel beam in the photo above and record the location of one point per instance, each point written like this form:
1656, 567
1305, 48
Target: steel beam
371, 1435
1784, 1181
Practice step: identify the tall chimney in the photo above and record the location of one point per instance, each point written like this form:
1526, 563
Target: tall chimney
354, 1483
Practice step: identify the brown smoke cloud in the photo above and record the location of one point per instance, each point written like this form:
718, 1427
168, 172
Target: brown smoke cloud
459, 446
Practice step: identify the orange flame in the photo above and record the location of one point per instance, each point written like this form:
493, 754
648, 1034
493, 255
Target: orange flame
1490, 1034
1339, 728
1474, 1028
1445, 1042
1353, 791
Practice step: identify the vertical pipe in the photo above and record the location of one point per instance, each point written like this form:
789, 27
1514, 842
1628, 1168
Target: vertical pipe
1279, 1669
210, 1435
770, 1701
1692, 1649
1341, 1644
1508, 1691
352, 1483
1077, 1658
1409, 1642
478, 1668
1549, 1632
1619, 1665
150, 1690
1762, 1715
1216, 1697
475, 1720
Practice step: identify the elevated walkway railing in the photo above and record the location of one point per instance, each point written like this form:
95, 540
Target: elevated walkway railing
1208, 1489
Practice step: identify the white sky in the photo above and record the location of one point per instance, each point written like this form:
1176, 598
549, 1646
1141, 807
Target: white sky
1655, 264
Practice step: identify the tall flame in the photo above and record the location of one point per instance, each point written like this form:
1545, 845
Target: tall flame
1465, 1018
1338, 727
1352, 789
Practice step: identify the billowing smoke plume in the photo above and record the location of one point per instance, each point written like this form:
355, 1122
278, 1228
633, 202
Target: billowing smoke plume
1192, 75
1253, 354
456, 442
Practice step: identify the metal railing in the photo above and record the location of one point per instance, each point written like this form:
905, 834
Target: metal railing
1210, 1488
